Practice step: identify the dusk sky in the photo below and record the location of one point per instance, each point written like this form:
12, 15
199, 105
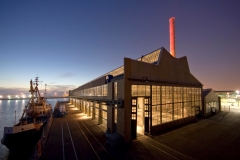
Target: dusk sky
68, 43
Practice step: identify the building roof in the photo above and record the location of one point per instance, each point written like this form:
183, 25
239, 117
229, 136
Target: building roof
158, 57
205, 92
151, 57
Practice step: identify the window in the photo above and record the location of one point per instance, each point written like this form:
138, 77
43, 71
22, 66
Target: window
105, 90
134, 90
140, 90
115, 91
173, 102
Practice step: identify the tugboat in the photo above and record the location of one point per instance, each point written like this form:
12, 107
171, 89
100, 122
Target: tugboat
22, 137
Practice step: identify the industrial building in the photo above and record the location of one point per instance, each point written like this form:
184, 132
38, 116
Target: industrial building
144, 96
147, 95
211, 102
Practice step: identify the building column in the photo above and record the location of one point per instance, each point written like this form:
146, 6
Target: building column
93, 110
87, 108
110, 118
81, 105
84, 107
100, 114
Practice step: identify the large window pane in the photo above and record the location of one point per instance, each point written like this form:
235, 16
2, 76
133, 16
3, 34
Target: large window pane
134, 90
141, 90
115, 91
156, 115
147, 93
166, 113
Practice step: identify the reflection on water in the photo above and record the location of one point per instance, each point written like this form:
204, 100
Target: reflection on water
10, 112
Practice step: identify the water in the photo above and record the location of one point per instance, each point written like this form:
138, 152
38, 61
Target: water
8, 117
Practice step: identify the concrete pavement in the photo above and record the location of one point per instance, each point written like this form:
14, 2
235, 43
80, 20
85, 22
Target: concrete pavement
217, 137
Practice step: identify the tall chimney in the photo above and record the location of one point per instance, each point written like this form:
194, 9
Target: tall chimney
172, 36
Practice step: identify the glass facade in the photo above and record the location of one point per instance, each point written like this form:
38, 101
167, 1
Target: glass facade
141, 90
149, 58
96, 111
91, 108
94, 91
115, 91
104, 115
170, 103
116, 72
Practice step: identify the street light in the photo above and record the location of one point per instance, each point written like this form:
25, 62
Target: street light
237, 91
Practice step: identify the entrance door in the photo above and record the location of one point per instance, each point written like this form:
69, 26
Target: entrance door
134, 118
140, 115
146, 114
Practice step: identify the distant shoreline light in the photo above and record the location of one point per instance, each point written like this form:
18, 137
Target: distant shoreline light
20, 98
27, 96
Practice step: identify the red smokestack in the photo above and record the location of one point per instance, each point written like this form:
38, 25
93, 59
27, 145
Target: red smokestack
172, 36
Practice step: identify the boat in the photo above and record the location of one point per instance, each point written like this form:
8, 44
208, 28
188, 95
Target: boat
22, 137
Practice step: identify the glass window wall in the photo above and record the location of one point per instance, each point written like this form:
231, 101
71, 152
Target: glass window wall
94, 91
96, 111
140, 90
170, 103
176, 103
104, 118
115, 91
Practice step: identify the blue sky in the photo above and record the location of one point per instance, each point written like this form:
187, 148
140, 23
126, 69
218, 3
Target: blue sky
68, 43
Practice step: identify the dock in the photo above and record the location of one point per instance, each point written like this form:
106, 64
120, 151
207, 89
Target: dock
77, 136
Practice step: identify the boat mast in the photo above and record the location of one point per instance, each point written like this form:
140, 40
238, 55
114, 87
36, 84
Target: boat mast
32, 95
38, 95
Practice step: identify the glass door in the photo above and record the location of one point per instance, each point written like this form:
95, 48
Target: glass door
146, 113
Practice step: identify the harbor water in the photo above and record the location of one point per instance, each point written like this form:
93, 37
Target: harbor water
10, 112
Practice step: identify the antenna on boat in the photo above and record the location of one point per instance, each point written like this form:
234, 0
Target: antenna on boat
36, 86
45, 90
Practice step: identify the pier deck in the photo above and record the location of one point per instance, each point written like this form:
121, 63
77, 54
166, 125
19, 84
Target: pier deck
76, 136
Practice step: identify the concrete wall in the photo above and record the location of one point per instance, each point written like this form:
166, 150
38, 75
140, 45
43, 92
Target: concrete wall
120, 89
110, 91
169, 70
127, 100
